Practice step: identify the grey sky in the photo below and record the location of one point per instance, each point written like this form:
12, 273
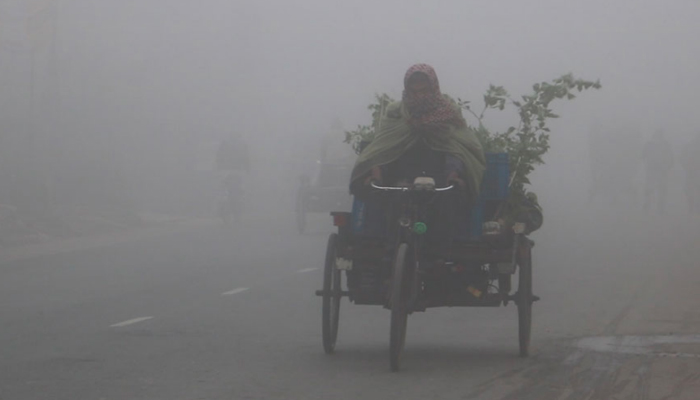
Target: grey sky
291, 66
341, 52
277, 71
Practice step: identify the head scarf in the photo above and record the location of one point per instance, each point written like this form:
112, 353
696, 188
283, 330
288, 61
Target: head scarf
431, 118
431, 108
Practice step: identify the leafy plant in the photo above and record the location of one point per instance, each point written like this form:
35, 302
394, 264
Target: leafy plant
525, 144
365, 133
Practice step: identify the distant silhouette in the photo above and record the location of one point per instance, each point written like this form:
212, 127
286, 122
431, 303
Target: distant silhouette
691, 165
614, 160
658, 161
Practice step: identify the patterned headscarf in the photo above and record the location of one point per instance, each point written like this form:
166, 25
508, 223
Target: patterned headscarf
430, 108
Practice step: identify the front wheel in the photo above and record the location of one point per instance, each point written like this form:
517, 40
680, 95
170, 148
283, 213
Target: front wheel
525, 298
399, 307
332, 293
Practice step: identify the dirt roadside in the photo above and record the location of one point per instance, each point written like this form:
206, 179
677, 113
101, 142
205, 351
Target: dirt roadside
619, 319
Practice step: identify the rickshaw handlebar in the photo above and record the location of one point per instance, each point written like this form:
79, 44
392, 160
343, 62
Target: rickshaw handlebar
406, 189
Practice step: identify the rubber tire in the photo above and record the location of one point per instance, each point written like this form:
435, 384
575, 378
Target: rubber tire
525, 300
399, 311
330, 308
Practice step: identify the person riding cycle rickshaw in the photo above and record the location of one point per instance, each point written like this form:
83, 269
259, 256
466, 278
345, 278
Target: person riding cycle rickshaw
418, 235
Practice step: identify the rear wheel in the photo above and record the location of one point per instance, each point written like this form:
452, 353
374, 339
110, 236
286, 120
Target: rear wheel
399, 307
524, 298
330, 308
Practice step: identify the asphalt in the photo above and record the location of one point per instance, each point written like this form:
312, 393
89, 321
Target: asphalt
229, 313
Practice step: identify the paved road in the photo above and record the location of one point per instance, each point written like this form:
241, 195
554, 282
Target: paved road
230, 314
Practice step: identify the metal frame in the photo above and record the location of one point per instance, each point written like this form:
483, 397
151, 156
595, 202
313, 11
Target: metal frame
376, 257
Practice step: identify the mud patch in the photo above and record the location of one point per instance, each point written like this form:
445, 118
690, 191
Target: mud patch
655, 346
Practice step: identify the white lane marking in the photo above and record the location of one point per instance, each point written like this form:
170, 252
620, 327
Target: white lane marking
234, 291
130, 322
305, 270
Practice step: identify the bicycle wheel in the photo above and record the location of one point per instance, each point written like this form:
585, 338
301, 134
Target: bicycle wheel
330, 308
525, 299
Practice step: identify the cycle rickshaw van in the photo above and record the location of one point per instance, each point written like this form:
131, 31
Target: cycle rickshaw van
385, 252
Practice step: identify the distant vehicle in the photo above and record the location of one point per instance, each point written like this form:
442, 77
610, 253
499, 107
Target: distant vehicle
325, 191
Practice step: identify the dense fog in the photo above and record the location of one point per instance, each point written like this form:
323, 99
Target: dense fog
114, 115
123, 102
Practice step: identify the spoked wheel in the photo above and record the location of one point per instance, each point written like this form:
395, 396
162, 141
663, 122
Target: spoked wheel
301, 213
525, 297
399, 307
331, 296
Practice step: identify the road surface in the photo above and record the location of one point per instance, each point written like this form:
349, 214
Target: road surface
214, 313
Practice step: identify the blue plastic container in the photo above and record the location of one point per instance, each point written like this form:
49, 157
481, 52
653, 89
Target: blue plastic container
494, 188
494, 185
368, 219
358, 216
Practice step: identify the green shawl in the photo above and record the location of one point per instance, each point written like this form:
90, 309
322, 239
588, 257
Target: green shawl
396, 135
